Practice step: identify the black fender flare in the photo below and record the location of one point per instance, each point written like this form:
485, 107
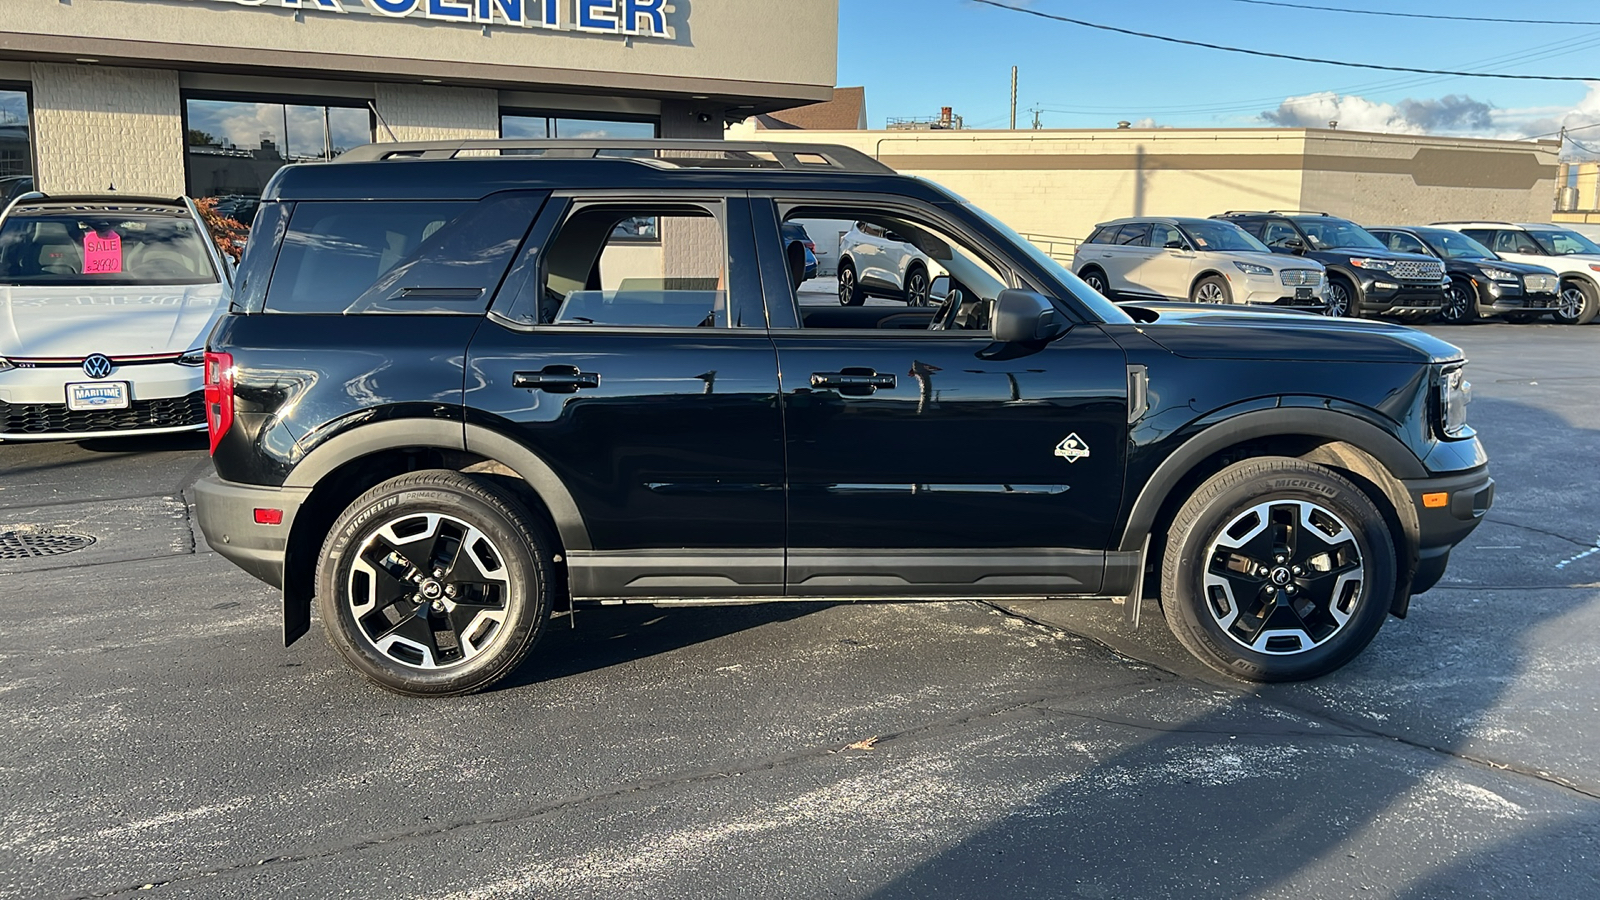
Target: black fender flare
1387, 449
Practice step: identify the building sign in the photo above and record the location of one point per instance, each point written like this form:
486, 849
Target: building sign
635, 18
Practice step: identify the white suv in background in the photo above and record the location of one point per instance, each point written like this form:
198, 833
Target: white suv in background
1200, 260
1574, 257
876, 262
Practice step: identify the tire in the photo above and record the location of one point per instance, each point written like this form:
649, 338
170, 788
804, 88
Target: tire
849, 288
1096, 279
1340, 296
917, 286
1238, 519
1460, 303
507, 579
1211, 289
1579, 302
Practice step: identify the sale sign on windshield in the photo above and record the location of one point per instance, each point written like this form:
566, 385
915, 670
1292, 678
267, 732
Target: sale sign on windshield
102, 255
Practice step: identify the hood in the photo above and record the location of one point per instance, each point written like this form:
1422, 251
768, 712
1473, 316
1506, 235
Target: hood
1199, 331
72, 322
1518, 267
1277, 262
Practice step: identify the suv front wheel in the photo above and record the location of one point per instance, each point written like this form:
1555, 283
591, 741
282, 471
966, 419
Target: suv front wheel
1579, 302
434, 583
1277, 569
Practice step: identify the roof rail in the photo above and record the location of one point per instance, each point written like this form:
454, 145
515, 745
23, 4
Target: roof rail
1240, 212
677, 153
1298, 212
1476, 222
35, 198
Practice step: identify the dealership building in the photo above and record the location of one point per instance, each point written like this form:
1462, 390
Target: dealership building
210, 97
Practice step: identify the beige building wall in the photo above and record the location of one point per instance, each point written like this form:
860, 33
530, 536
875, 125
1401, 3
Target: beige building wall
107, 126
422, 112
1062, 183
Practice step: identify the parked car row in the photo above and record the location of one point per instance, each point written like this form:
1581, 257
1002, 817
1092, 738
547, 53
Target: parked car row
1457, 271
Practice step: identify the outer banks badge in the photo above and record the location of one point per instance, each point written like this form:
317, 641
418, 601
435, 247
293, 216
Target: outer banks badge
1072, 448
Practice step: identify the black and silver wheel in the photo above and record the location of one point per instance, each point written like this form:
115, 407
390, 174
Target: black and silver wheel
1096, 279
1340, 298
435, 583
1579, 302
1277, 570
849, 289
917, 286
1460, 302
1211, 289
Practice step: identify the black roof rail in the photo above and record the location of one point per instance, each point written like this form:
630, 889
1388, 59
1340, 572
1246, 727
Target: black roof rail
1240, 212
675, 153
1476, 222
1299, 212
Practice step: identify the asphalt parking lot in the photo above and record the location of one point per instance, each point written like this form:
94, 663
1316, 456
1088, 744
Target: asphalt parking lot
161, 741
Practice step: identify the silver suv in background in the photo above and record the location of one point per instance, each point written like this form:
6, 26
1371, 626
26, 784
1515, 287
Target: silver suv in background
876, 262
1201, 260
1575, 258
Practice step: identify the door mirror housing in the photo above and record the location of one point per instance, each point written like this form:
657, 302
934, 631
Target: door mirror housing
1023, 316
1176, 245
940, 288
1289, 245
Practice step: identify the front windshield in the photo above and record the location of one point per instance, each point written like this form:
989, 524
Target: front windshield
103, 247
1564, 243
1327, 233
1222, 236
1105, 309
1455, 245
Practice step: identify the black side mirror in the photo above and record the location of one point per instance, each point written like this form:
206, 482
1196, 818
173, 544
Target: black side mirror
940, 288
896, 238
1176, 245
1026, 316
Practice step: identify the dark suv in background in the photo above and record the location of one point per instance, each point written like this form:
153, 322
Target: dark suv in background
1481, 283
1364, 276
459, 396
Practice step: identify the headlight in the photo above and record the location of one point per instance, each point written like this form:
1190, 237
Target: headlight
195, 357
1498, 274
1253, 269
1455, 392
1376, 265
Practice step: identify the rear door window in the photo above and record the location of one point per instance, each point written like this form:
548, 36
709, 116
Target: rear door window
434, 256
1134, 235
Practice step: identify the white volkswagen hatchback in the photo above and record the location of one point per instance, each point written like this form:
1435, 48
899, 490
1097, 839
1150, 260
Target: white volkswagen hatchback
105, 306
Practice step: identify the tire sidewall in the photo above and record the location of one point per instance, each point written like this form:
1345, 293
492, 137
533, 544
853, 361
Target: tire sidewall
850, 296
1469, 306
1220, 282
527, 603
1216, 504
1591, 303
1351, 304
917, 299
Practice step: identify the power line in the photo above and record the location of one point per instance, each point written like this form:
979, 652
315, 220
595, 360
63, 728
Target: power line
1263, 53
1403, 15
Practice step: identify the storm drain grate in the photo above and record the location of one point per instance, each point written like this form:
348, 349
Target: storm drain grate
31, 545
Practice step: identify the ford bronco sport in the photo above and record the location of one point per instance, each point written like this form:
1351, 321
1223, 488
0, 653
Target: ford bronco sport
466, 387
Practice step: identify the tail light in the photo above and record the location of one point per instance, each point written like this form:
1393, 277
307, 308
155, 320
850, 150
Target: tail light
219, 396
811, 245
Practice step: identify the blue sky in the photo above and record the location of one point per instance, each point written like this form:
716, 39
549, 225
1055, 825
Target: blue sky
915, 56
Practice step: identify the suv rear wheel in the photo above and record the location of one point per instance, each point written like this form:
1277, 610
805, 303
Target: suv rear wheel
1579, 302
1096, 279
849, 289
434, 583
1277, 569
917, 286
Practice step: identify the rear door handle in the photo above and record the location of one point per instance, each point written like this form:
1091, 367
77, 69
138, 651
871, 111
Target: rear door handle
556, 380
852, 380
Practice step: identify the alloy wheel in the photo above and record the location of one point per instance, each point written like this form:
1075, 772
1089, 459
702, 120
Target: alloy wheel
428, 591
1456, 304
1338, 300
1284, 577
1209, 292
1096, 281
917, 288
847, 286
1572, 300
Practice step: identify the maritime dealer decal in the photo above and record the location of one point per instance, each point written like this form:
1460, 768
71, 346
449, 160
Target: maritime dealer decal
635, 18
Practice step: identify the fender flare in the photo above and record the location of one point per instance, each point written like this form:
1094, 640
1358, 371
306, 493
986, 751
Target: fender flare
1335, 426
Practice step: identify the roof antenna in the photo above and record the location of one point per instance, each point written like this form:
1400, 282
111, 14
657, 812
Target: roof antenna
374, 107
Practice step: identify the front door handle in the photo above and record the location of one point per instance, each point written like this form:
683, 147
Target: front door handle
852, 381
556, 379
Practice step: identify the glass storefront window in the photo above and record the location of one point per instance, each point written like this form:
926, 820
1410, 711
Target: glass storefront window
234, 146
16, 144
531, 126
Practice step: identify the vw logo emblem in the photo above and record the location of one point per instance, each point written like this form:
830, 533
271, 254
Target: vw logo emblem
97, 365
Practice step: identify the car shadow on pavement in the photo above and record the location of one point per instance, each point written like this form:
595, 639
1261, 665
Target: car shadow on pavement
611, 636
1301, 791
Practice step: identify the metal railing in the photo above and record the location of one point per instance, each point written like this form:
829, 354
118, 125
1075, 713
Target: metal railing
1056, 247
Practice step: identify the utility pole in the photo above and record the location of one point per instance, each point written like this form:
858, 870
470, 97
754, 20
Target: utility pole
1013, 98
1037, 125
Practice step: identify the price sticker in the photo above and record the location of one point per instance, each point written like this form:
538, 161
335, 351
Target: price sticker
102, 255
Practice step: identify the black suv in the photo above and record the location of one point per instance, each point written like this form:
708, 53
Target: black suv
460, 395
1481, 283
1364, 276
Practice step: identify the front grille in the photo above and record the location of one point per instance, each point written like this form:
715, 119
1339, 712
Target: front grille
1300, 277
1540, 284
55, 418
1430, 270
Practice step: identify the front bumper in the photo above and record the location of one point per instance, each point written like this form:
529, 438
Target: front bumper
1268, 290
226, 512
1467, 497
164, 398
1395, 298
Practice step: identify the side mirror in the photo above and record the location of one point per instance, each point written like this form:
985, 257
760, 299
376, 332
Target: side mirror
1021, 316
894, 238
1176, 245
940, 288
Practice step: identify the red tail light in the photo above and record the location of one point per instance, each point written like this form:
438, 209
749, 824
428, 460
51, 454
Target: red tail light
811, 245
219, 396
